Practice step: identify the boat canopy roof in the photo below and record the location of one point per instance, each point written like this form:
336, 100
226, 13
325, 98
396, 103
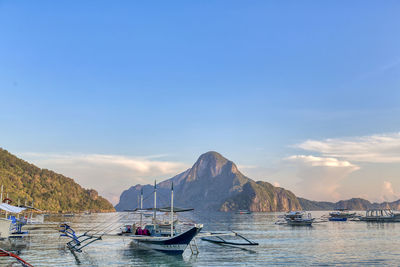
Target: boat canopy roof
176, 209
11, 208
164, 209
379, 210
295, 212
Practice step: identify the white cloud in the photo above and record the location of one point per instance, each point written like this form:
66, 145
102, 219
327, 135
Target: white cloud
245, 167
388, 193
276, 184
318, 161
320, 177
108, 174
379, 148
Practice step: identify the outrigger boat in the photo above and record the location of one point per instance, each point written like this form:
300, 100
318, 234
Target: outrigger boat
162, 236
380, 215
297, 218
341, 215
243, 212
157, 235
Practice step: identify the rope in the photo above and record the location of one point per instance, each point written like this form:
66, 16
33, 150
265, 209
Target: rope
5, 253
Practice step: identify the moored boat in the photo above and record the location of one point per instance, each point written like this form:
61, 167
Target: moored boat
159, 235
243, 212
300, 218
380, 215
340, 215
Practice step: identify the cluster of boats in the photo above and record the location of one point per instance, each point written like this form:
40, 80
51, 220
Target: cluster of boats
305, 218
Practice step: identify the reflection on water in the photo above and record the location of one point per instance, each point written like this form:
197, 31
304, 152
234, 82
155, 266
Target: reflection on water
331, 243
135, 255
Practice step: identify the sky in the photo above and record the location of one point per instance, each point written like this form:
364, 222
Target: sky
302, 94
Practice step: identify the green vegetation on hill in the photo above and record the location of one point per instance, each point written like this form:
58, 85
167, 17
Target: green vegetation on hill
315, 205
262, 196
49, 191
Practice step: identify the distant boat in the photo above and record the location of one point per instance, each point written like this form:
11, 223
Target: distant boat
299, 218
243, 212
341, 215
380, 215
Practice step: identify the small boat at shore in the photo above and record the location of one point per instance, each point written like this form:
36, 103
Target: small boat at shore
380, 215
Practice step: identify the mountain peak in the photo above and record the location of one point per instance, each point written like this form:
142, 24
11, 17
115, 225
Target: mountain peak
211, 164
212, 156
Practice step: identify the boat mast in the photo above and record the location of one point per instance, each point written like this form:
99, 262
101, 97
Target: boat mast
141, 198
1, 193
141, 206
172, 209
155, 202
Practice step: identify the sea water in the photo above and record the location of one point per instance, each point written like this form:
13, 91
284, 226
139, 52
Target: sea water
328, 243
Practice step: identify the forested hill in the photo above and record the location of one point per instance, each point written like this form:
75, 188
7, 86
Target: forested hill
49, 190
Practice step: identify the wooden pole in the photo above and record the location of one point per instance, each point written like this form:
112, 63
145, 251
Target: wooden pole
141, 206
172, 209
155, 203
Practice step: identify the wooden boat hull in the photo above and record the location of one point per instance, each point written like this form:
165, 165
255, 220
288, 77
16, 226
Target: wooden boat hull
380, 219
300, 223
337, 219
170, 245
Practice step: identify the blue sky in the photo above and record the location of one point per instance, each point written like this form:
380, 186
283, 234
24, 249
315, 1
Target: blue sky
169, 80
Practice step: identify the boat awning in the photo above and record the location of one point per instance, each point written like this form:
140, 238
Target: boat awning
11, 208
165, 209
168, 209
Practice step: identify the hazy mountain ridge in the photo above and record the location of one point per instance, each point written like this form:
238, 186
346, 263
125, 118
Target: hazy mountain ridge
49, 190
214, 183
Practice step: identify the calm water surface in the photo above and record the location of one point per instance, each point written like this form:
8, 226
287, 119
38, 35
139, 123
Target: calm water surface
331, 243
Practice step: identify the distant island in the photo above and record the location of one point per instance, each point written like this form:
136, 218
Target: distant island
50, 191
215, 183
